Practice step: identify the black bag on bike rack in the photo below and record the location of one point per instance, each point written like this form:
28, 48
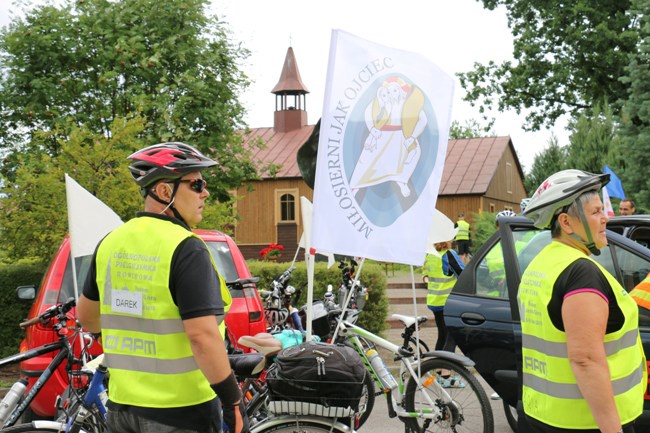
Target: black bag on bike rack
321, 373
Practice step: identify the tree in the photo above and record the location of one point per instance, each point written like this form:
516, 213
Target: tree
34, 214
93, 61
472, 128
549, 161
570, 56
635, 118
591, 141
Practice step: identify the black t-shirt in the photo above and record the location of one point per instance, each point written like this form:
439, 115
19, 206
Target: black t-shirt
195, 288
584, 274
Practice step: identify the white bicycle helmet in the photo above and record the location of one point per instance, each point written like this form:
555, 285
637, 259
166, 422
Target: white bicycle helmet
557, 193
524, 204
505, 213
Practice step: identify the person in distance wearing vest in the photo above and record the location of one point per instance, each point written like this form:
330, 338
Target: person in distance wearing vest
154, 292
440, 272
583, 363
463, 238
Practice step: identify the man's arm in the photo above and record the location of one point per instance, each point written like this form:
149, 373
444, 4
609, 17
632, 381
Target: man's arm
208, 347
88, 314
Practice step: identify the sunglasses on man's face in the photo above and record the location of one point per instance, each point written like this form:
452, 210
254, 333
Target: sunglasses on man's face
198, 185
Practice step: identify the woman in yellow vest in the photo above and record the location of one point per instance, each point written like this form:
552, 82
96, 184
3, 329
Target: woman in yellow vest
440, 272
583, 364
155, 294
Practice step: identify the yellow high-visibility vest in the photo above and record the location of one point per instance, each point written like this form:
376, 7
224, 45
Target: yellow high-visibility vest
463, 230
440, 285
144, 342
550, 392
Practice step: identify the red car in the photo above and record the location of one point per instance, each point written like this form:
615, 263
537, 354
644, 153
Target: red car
246, 315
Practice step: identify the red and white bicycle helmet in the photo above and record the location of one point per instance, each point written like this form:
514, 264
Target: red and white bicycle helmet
170, 160
558, 192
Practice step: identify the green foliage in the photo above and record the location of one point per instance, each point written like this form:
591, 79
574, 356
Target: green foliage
472, 128
635, 118
570, 56
15, 310
34, 213
549, 161
94, 61
84, 84
591, 141
483, 226
373, 316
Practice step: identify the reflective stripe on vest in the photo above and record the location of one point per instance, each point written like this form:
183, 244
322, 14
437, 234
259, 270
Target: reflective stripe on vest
463, 230
550, 392
440, 285
143, 337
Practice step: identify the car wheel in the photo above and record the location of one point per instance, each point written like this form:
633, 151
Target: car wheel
511, 415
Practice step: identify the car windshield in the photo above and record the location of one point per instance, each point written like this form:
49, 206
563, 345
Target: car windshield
219, 250
223, 259
82, 264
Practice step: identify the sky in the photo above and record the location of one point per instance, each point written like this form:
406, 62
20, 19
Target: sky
453, 34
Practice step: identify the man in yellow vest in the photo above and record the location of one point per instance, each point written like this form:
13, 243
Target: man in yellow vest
463, 238
583, 363
154, 292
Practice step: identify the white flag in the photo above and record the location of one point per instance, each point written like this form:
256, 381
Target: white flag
383, 141
607, 203
89, 219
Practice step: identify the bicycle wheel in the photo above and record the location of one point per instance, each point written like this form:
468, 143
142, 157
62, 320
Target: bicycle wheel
307, 424
511, 415
469, 410
36, 426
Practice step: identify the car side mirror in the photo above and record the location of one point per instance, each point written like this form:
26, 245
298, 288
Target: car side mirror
26, 293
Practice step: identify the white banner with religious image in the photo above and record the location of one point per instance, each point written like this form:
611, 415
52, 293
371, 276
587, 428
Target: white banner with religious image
383, 142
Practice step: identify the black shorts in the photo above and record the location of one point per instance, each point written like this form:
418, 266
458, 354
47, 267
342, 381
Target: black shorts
463, 246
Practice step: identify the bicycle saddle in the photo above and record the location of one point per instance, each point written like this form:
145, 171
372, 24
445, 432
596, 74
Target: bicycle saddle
409, 320
263, 342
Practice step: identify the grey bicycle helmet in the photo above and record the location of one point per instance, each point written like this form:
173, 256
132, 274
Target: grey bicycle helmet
556, 194
166, 161
560, 190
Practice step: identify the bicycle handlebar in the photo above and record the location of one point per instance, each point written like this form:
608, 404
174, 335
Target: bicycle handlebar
242, 283
54, 311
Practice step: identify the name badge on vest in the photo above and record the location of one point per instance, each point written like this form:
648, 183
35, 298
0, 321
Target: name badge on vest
127, 302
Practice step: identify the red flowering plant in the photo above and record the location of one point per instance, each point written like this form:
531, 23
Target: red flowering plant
271, 252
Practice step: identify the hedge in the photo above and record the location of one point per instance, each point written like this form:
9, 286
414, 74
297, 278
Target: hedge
373, 316
14, 309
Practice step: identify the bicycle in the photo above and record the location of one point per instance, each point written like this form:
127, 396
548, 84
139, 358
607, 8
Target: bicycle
64, 347
256, 391
87, 413
434, 391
